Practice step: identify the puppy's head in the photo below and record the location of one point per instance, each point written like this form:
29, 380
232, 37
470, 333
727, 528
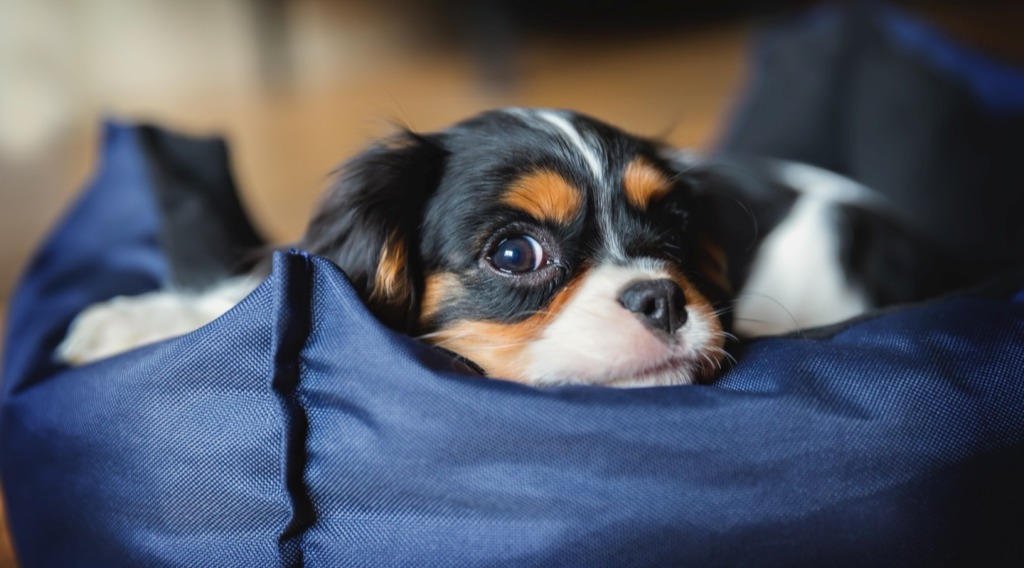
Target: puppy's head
545, 246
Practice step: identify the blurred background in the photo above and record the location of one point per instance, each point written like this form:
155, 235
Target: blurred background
298, 85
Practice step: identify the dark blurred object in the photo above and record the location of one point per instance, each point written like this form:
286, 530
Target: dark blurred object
270, 20
992, 26
204, 232
622, 15
874, 93
493, 28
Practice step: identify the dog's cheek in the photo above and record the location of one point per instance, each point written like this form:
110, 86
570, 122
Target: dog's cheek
499, 349
592, 343
440, 290
595, 340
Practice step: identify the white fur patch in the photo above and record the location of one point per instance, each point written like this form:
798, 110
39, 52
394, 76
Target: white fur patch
828, 186
126, 322
573, 135
568, 132
595, 340
796, 280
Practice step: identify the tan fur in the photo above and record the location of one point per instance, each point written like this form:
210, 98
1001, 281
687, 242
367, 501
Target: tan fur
391, 281
497, 347
714, 264
546, 196
643, 183
438, 288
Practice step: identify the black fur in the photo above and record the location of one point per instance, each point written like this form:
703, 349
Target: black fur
376, 196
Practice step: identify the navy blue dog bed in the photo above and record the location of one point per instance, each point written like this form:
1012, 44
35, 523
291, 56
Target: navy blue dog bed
297, 431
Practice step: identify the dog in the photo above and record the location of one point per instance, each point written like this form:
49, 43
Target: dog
548, 247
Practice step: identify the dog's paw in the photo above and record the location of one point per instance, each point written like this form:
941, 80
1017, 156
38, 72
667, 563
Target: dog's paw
109, 328
124, 323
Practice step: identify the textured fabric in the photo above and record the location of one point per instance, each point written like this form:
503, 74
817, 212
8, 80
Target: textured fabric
106, 245
296, 430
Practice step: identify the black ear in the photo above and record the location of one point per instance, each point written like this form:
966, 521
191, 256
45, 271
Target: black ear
368, 223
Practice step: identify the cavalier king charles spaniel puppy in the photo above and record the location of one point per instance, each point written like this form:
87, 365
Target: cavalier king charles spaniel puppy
549, 248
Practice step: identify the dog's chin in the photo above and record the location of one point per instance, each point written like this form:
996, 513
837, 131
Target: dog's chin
673, 371
669, 371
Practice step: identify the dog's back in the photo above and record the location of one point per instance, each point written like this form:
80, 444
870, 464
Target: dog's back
809, 247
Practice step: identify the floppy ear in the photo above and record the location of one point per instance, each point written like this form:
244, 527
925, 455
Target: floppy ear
368, 223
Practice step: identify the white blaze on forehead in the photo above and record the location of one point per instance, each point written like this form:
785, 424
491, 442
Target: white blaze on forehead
613, 246
595, 340
588, 150
572, 134
606, 203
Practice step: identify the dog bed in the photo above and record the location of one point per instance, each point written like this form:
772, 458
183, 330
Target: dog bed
297, 431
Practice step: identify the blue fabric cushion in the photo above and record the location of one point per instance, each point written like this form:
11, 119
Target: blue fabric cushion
297, 431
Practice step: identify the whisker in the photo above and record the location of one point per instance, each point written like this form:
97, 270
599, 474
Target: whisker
697, 162
725, 354
777, 303
779, 328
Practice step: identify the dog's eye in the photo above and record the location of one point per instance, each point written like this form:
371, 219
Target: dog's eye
518, 254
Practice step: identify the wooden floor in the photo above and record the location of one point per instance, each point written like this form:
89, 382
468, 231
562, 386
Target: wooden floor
287, 134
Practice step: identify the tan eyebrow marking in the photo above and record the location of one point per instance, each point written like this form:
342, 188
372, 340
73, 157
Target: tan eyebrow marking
546, 196
643, 183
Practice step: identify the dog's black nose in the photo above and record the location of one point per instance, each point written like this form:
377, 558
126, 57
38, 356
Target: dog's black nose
658, 303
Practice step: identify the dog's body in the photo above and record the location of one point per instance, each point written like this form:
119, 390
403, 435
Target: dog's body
550, 248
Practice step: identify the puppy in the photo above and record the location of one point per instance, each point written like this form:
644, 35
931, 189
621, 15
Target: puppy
549, 248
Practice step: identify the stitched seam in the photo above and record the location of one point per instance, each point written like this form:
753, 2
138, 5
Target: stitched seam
298, 296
